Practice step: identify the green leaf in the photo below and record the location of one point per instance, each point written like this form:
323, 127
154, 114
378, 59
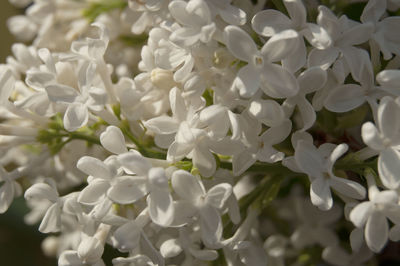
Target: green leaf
97, 8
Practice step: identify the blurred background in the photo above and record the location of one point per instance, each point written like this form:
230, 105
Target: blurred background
19, 243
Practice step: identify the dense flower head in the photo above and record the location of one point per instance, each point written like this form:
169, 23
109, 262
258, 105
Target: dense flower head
205, 132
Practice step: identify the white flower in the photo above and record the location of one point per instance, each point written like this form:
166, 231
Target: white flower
275, 81
52, 219
270, 22
384, 139
373, 215
318, 165
205, 204
195, 17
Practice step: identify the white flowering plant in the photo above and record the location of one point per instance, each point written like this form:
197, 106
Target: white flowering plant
205, 132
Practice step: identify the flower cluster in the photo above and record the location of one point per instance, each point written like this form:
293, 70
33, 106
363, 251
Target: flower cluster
205, 132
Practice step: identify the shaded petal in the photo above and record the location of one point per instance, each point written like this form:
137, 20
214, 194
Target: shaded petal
204, 160
322, 58
269, 22
52, 219
126, 237
356, 35
360, 214
204, 254
376, 231
94, 167
277, 82
76, 116
94, 192
210, 226
161, 207
345, 98
41, 191
308, 159
348, 188
233, 15
389, 118
280, 45
128, 189
247, 81
6, 196
239, 43
297, 12
113, 140
61, 93
187, 186
371, 136
312, 79
218, 195
162, 125
320, 194
317, 36
389, 168
135, 163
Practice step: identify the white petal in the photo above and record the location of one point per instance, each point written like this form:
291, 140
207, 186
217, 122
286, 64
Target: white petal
239, 43
94, 192
218, 195
348, 188
312, 79
162, 125
186, 185
204, 254
360, 214
308, 159
389, 78
210, 226
177, 103
322, 58
277, 82
61, 93
388, 118
297, 12
320, 194
204, 160
90, 250
371, 136
94, 167
280, 45
298, 57
345, 98
52, 219
269, 22
338, 151
170, 248
356, 35
376, 231
135, 163
389, 167
373, 11
317, 36
69, 258
126, 237
113, 140
41, 191
161, 207
242, 161
233, 15
128, 189
247, 81
76, 116
307, 113
6, 196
